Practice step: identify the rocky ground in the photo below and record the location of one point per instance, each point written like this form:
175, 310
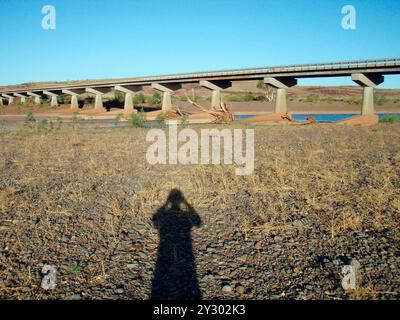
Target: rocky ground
87, 202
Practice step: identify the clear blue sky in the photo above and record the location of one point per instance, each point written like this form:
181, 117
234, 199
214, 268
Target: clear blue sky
127, 38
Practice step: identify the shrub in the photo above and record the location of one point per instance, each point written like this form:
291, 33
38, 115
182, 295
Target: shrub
234, 98
74, 120
119, 96
248, 97
242, 98
155, 99
380, 99
138, 119
89, 99
30, 120
139, 98
119, 116
329, 100
42, 125
312, 98
352, 100
389, 118
116, 101
59, 123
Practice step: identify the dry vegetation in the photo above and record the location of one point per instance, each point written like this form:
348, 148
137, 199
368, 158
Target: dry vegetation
82, 200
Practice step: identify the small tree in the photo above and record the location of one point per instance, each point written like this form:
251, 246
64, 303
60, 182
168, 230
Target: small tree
30, 120
139, 98
269, 92
155, 99
138, 119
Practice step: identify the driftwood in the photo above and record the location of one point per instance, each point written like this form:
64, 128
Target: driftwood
174, 113
225, 114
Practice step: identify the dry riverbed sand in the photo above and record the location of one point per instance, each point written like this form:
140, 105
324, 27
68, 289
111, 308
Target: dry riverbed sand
88, 203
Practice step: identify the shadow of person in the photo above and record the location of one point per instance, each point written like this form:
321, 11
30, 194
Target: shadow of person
175, 275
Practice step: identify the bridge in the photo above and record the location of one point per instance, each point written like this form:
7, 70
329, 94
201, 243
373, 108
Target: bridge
366, 73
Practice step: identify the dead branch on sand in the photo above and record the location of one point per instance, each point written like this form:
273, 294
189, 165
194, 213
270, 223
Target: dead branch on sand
225, 114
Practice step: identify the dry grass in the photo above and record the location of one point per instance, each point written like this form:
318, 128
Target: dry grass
89, 185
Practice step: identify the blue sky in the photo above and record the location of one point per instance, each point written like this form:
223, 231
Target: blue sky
128, 38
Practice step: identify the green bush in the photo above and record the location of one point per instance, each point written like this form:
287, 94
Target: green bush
59, 122
242, 98
118, 117
89, 99
119, 96
389, 118
42, 125
352, 100
329, 100
234, 98
311, 98
30, 120
138, 119
380, 100
155, 99
248, 97
139, 98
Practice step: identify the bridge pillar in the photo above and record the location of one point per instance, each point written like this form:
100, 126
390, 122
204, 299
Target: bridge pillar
21, 96
53, 96
166, 89
281, 84
216, 87
129, 91
74, 93
36, 96
9, 98
98, 92
368, 82
1, 101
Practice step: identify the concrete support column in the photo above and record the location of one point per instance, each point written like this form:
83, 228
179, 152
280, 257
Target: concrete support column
216, 95
129, 93
22, 97
36, 96
281, 104
74, 93
368, 102
166, 101
281, 84
74, 102
9, 98
54, 101
369, 82
1, 101
216, 100
98, 102
128, 102
166, 89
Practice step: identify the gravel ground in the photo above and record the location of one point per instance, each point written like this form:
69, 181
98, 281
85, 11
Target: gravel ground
114, 227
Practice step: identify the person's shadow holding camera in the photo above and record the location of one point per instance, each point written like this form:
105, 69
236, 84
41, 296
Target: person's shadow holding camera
175, 275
